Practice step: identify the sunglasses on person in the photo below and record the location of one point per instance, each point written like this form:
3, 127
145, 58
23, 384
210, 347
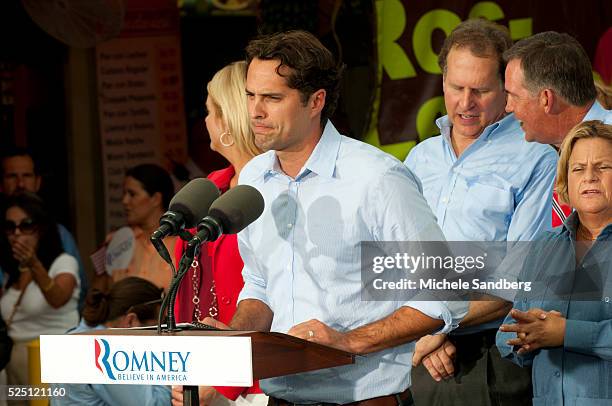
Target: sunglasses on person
27, 226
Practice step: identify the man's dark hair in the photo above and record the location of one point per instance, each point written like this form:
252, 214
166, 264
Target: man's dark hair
556, 61
154, 179
12, 152
49, 243
311, 65
484, 39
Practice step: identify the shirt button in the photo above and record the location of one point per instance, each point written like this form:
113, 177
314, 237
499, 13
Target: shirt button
225, 300
557, 373
444, 199
289, 225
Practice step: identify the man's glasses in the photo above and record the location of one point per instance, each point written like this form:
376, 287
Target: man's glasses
27, 226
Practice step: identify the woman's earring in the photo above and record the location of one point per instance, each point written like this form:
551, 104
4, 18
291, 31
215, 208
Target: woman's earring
226, 143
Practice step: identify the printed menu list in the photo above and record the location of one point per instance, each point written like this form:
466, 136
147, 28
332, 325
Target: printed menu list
140, 110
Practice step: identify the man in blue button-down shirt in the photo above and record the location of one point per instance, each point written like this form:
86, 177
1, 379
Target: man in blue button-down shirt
550, 87
484, 182
325, 193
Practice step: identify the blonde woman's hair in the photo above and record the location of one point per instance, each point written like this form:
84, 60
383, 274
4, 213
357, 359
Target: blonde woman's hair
227, 93
586, 129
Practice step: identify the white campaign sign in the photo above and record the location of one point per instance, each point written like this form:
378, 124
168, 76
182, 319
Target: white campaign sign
148, 360
120, 250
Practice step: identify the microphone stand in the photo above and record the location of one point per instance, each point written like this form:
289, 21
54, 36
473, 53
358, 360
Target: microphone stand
177, 276
190, 392
184, 265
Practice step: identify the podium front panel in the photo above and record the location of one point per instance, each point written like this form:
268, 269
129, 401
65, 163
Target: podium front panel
146, 360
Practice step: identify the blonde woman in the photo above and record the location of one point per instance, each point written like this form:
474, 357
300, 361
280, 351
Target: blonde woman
567, 338
211, 289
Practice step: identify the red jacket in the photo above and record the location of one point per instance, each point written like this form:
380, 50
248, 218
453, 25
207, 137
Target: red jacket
222, 259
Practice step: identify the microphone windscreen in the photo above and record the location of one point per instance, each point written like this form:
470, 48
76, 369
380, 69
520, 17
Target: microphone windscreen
193, 200
237, 208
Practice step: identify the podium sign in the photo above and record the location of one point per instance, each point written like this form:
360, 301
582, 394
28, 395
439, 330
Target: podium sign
146, 360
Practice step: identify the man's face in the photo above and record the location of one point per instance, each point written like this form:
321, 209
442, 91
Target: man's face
526, 106
18, 175
279, 119
473, 92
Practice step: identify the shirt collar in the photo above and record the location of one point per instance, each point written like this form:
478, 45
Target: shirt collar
222, 178
322, 160
445, 125
596, 112
571, 226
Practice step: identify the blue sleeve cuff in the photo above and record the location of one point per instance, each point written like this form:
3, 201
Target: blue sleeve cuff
509, 352
579, 335
505, 350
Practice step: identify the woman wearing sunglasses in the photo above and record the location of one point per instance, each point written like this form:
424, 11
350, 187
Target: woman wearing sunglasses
131, 302
42, 291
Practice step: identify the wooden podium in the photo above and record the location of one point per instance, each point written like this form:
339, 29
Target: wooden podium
271, 355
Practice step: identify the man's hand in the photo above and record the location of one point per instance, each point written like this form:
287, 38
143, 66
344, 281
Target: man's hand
318, 332
215, 323
425, 346
252, 315
206, 395
439, 360
535, 329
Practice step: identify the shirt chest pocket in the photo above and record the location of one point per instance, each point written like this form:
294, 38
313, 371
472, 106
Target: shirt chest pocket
486, 202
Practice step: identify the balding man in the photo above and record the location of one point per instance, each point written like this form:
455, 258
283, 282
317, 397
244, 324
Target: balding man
484, 183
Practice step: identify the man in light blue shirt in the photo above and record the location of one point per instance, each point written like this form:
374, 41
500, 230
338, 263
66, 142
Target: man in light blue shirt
324, 194
549, 82
484, 182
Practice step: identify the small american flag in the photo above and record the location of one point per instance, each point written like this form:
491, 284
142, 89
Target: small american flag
98, 259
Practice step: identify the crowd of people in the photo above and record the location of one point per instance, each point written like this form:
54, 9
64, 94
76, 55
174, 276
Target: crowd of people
524, 146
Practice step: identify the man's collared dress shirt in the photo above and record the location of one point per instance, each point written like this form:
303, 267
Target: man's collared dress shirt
498, 189
302, 257
597, 112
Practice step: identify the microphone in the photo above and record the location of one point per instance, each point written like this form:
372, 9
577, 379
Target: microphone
229, 214
186, 207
